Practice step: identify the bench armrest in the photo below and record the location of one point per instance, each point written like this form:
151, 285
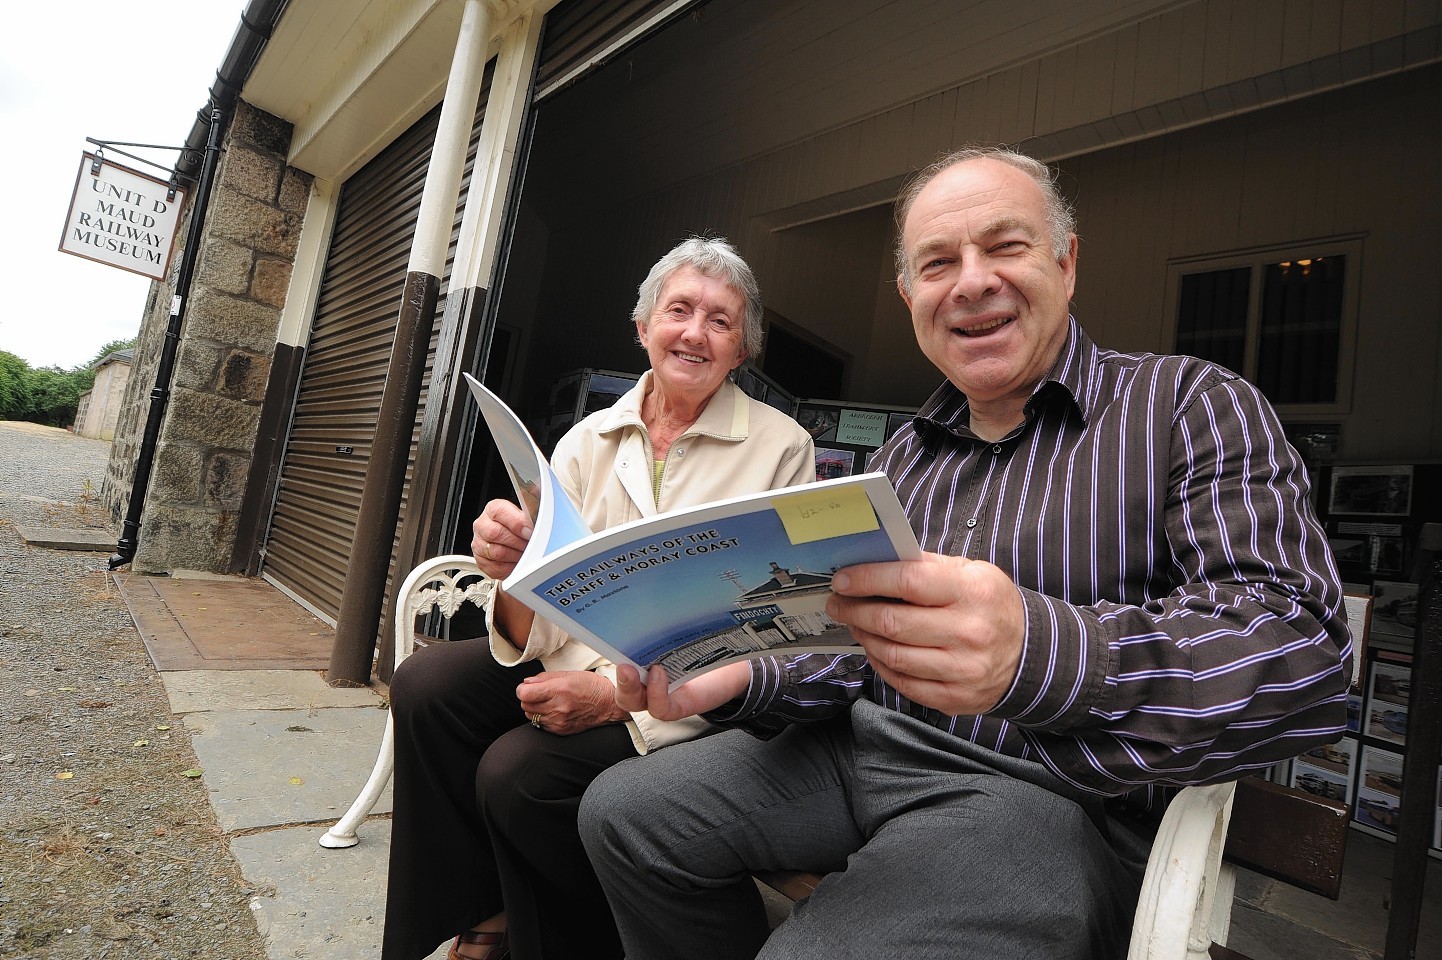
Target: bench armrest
1186, 897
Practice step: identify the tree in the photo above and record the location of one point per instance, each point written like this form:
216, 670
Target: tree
47, 395
13, 389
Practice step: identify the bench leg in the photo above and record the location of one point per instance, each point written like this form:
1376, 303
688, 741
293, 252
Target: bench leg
343, 833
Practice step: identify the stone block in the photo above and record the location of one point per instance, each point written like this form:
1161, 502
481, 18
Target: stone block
225, 266
225, 476
211, 421
177, 471
295, 191
271, 282
185, 538
196, 362
264, 131
251, 173
254, 224
226, 320
243, 376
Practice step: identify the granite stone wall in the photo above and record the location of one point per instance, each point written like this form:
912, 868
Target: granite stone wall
223, 358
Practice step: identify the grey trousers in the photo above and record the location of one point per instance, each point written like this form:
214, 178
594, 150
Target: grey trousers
942, 848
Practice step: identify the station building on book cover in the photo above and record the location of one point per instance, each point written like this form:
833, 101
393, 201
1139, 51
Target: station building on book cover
786, 609
1215, 149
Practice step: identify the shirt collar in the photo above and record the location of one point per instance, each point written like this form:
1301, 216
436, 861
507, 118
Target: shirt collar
1072, 378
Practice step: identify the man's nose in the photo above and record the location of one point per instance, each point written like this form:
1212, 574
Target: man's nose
975, 278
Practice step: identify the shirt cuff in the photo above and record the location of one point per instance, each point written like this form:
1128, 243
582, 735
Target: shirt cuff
1064, 664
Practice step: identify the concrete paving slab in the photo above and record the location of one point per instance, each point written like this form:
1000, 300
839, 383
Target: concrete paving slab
193, 691
68, 538
267, 768
314, 902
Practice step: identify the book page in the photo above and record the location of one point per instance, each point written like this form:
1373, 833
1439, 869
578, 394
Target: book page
557, 521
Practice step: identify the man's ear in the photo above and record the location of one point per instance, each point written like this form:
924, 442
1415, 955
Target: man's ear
901, 289
641, 332
1068, 266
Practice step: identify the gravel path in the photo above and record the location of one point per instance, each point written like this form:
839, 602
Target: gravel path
107, 848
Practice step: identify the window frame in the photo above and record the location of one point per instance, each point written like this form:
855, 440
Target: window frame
1256, 259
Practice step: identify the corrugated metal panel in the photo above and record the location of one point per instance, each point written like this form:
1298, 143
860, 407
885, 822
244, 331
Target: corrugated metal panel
318, 497
579, 30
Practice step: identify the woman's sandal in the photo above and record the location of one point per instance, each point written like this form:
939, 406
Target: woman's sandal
498, 942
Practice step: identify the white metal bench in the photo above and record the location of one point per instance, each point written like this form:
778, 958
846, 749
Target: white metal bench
443, 585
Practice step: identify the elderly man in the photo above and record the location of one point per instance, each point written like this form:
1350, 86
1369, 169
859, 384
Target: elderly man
1126, 590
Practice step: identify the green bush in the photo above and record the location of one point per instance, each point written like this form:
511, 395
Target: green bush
47, 395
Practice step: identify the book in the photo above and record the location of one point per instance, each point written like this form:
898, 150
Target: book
700, 587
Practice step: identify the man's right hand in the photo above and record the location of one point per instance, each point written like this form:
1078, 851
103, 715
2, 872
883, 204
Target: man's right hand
706, 692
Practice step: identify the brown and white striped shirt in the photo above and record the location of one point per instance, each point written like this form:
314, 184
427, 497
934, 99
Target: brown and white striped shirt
1184, 615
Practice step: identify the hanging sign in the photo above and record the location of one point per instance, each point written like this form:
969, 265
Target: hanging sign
122, 217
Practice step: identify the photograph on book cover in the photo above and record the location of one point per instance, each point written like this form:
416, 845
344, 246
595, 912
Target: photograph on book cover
702, 588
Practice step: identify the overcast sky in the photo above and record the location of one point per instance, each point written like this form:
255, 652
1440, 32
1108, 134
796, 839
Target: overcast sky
126, 70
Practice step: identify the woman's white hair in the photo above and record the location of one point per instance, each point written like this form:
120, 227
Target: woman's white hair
712, 257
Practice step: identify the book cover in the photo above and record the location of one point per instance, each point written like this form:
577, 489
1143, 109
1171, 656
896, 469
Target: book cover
705, 586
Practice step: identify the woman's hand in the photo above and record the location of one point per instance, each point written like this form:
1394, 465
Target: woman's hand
498, 537
569, 701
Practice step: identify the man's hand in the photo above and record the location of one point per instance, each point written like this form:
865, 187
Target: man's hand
498, 536
569, 701
706, 692
953, 641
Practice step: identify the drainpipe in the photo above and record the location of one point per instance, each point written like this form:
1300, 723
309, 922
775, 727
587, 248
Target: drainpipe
256, 24
364, 592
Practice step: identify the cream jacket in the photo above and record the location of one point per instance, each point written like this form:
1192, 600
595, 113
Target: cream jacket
737, 445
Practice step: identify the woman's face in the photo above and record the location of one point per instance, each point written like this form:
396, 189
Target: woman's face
696, 334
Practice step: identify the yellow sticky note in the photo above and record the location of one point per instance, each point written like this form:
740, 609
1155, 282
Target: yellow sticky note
820, 514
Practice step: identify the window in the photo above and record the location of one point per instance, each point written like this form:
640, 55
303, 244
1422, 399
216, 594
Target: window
1283, 318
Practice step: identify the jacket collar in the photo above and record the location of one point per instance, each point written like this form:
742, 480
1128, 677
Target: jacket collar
726, 416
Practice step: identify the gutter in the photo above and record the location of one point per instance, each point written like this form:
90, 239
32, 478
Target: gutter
199, 157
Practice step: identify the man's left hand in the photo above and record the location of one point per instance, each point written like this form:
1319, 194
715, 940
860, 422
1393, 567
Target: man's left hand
945, 632
569, 701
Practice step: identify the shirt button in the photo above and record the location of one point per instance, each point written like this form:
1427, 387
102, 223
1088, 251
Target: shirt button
625, 463
971, 523
681, 452
996, 448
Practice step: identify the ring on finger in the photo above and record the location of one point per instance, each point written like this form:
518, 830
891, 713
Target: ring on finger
486, 549
536, 720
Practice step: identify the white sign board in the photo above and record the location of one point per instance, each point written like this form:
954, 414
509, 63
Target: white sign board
866, 428
122, 217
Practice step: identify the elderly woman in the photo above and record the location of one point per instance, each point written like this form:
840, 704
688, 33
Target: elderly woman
496, 742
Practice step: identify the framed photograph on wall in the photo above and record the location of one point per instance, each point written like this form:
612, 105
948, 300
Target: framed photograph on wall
1379, 491
1379, 795
1388, 691
1394, 609
1327, 770
832, 463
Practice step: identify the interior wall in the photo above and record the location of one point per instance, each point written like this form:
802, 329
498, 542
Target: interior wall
1311, 168
1331, 165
